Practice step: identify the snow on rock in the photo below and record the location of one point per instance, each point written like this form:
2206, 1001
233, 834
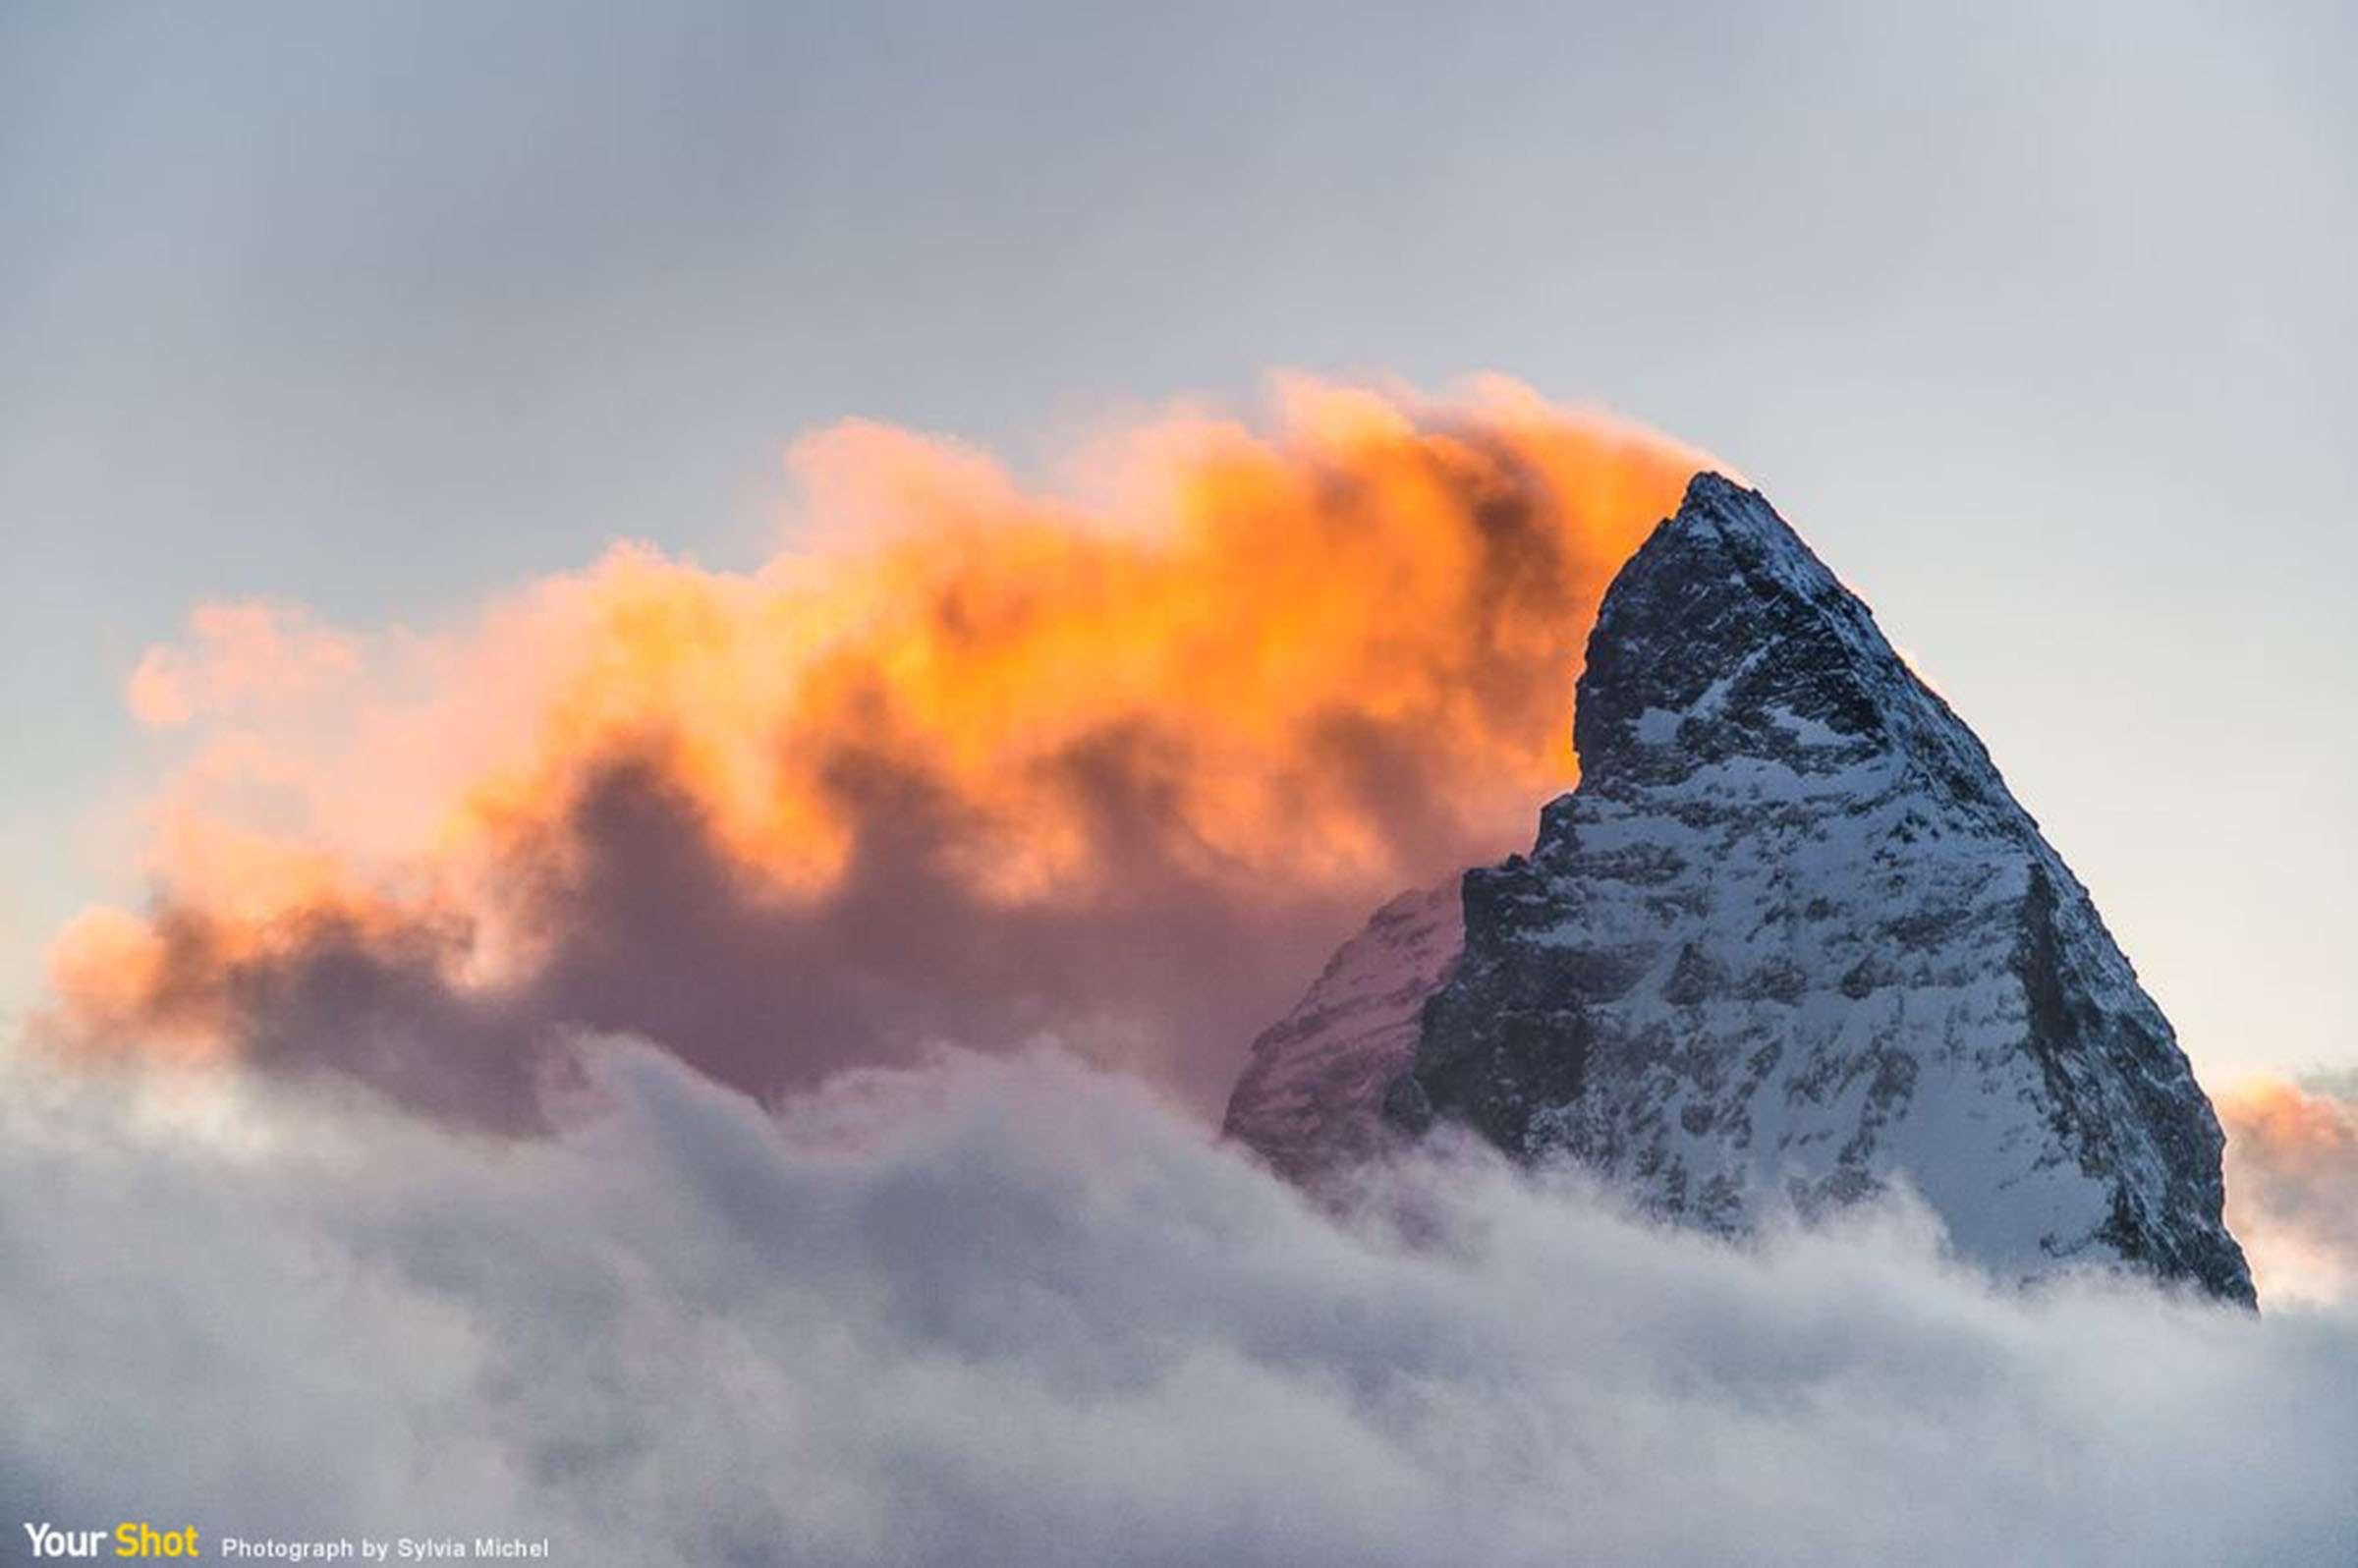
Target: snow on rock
1311, 1095
1790, 941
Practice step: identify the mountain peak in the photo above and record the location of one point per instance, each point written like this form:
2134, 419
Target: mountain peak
1789, 944
1712, 498
1717, 512
1724, 639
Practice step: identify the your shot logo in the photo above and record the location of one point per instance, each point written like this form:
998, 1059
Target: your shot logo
130, 1539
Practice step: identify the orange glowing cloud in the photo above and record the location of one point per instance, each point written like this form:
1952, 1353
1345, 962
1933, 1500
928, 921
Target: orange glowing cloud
977, 759
2292, 1186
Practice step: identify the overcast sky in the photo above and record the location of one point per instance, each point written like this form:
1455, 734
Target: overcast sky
2036, 321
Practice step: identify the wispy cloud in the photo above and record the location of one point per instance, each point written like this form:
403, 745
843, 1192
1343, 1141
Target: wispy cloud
2293, 1183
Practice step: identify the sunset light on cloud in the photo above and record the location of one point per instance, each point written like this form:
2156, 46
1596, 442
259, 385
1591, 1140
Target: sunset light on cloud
2292, 1162
1297, 662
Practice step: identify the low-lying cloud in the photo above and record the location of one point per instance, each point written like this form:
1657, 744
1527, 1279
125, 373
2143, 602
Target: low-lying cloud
1016, 1312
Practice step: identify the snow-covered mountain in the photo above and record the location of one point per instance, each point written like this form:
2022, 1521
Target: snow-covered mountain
1792, 941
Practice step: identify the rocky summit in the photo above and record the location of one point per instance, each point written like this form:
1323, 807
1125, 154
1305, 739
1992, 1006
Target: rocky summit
1790, 943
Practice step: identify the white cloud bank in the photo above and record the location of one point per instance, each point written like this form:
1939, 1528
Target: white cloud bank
1016, 1313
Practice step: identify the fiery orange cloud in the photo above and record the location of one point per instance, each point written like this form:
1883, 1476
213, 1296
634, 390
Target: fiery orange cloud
2292, 1186
976, 760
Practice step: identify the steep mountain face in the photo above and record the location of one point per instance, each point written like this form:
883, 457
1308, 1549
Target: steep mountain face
1791, 941
1310, 1099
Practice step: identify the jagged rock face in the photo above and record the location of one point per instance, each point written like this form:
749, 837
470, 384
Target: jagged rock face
1792, 941
1311, 1095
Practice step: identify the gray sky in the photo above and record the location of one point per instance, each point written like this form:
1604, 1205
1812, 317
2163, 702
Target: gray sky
2037, 321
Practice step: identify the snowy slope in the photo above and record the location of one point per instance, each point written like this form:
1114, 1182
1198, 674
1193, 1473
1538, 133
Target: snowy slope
1310, 1097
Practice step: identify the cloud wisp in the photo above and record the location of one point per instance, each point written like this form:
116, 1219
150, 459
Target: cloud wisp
2293, 1183
994, 1310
